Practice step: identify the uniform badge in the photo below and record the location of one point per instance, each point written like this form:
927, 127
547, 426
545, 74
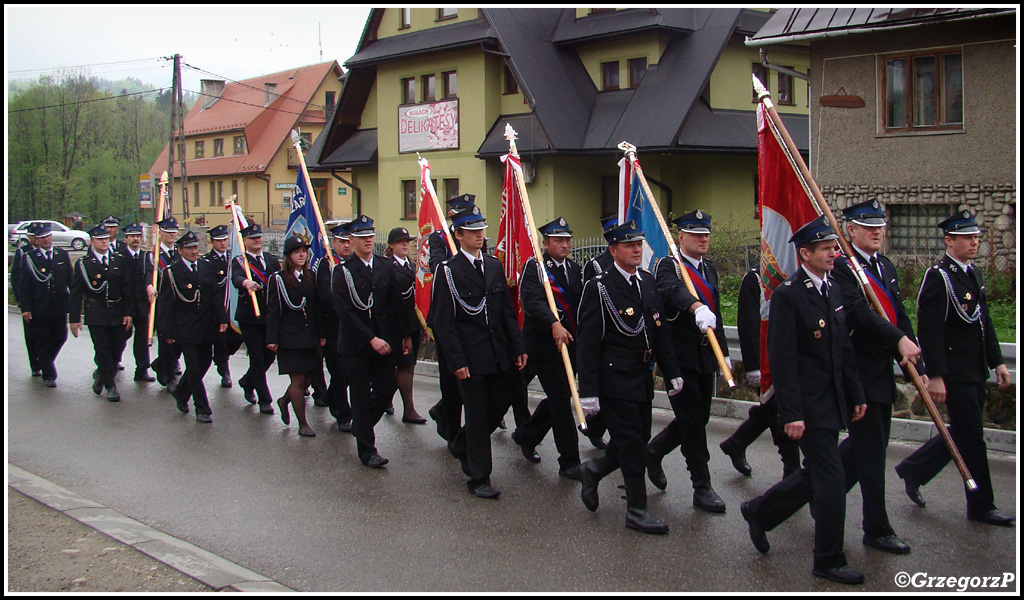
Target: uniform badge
44, 270
629, 311
821, 322
817, 334
550, 264
189, 286
964, 306
699, 214
966, 297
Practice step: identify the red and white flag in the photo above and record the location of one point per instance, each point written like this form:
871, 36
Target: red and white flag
785, 206
513, 247
429, 222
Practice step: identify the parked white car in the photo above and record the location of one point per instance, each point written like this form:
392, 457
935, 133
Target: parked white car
62, 235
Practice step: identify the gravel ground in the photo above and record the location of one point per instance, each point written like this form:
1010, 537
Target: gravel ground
50, 552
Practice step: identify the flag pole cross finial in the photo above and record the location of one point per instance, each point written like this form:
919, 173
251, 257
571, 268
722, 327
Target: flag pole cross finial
762, 92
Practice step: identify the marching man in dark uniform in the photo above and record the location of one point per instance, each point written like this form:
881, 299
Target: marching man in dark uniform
478, 331
141, 275
227, 342
602, 262
102, 281
621, 331
369, 306
818, 390
166, 364
24, 246
254, 330
113, 225
689, 318
959, 345
191, 313
337, 391
544, 335
43, 296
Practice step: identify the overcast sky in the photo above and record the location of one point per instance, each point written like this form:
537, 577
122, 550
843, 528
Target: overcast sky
236, 41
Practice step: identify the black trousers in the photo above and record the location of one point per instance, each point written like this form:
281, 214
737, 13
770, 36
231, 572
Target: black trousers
254, 335
965, 403
106, 342
140, 341
629, 426
198, 358
692, 409
762, 417
486, 399
555, 412
366, 374
822, 482
49, 335
166, 362
337, 391
449, 407
863, 455
30, 347
224, 346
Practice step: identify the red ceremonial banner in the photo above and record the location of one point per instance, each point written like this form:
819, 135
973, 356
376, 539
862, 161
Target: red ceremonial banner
429, 222
513, 247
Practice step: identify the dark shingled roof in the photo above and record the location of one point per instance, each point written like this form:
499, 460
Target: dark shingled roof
359, 150
530, 137
790, 24
468, 33
619, 23
730, 131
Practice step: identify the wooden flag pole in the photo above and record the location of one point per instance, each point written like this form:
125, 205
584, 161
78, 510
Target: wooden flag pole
230, 205
630, 151
312, 196
446, 234
764, 96
510, 135
156, 251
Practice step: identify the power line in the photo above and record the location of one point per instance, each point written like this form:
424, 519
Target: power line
19, 110
122, 62
250, 86
223, 99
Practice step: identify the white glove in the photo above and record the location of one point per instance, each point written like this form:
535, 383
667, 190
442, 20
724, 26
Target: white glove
705, 318
590, 405
677, 386
754, 379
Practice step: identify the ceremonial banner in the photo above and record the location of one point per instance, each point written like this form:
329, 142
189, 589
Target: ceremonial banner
303, 220
234, 252
785, 206
429, 222
513, 246
639, 208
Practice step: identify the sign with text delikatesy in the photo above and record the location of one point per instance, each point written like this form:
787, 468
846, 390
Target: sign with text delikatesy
428, 126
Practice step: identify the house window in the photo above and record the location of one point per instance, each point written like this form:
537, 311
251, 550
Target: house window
305, 140
511, 86
450, 82
761, 73
195, 189
637, 68
213, 193
286, 201
408, 90
220, 194
234, 189
239, 144
447, 13
218, 147
924, 91
451, 188
428, 87
404, 18
610, 75
329, 102
786, 88
200, 149
912, 228
409, 199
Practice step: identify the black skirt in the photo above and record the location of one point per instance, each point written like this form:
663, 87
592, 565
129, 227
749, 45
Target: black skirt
406, 360
299, 360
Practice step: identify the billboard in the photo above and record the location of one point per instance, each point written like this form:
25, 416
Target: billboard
428, 126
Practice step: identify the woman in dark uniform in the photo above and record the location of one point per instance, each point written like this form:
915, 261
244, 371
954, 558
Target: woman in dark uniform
293, 328
405, 269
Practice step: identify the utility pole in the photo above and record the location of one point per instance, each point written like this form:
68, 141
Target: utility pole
177, 141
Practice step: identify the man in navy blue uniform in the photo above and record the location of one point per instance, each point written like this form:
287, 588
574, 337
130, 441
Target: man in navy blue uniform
44, 298
229, 341
254, 329
336, 395
23, 247
166, 364
141, 275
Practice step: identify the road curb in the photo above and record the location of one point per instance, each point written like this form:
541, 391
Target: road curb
199, 564
903, 430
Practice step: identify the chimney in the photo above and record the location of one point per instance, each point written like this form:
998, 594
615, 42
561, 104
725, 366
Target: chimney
270, 93
211, 90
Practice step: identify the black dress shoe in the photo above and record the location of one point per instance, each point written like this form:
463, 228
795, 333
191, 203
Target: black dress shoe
739, 460
97, 387
120, 367
390, 409
598, 442
320, 401
204, 419
376, 461
181, 403
914, 492
486, 491
757, 534
144, 376
529, 452
572, 472
50, 383
588, 491
888, 543
654, 471
266, 409
249, 394
707, 500
113, 395
993, 517
643, 521
501, 425
37, 373
843, 574
345, 426
225, 381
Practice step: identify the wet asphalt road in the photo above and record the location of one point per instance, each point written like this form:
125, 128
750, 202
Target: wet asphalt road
307, 514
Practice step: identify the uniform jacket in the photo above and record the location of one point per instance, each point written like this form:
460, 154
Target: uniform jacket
953, 347
487, 342
597, 265
814, 366
748, 320
293, 314
105, 291
191, 305
141, 275
375, 311
875, 339
220, 266
43, 286
406, 280
244, 312
693, 351
611, 361
328, 314
537, 317
19, 261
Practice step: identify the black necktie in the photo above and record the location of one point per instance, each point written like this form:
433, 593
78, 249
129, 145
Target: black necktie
824, 292
876, 267
634, 283
104, 260
479, 265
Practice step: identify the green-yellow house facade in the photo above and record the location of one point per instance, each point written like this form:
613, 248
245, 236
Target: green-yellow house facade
573, 83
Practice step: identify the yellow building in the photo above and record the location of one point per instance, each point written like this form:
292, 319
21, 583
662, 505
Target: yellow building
574, 83
238, 141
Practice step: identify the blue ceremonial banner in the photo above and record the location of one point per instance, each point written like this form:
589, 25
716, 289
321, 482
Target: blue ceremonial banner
238, 223
303, 223
641, 210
